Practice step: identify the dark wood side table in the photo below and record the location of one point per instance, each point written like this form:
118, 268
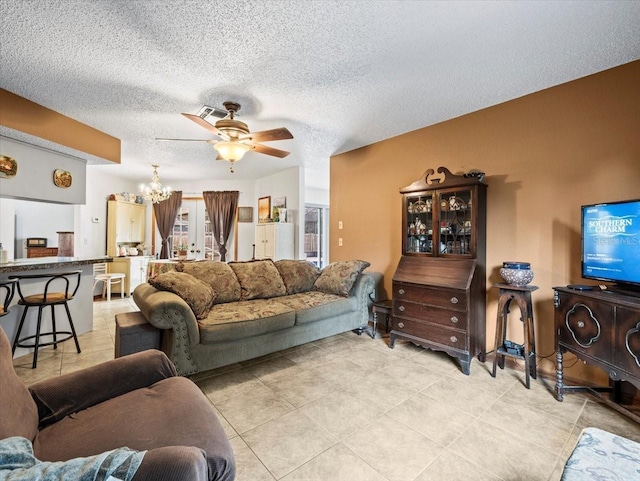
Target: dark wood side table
503, 347
385, 308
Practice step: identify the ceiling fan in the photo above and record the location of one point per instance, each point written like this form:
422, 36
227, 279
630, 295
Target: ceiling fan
235, 138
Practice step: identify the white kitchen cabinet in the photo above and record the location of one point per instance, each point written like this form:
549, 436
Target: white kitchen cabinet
125, 225
134, 269
274, 241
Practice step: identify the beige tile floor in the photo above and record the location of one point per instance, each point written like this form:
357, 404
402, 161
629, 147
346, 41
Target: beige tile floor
349, 408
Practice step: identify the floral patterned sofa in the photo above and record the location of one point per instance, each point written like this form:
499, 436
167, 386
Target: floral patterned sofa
213, 314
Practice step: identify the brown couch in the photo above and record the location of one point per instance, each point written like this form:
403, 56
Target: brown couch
135, 401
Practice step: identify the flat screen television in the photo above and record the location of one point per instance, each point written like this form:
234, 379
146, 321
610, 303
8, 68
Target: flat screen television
611, 243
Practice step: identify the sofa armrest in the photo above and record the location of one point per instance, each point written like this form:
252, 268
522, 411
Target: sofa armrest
166, 310
60, 396
363, 291
173, 463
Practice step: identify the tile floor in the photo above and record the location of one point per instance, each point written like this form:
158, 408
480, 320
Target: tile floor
349, 408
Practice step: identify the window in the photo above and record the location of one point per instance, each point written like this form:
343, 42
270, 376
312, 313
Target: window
315, 234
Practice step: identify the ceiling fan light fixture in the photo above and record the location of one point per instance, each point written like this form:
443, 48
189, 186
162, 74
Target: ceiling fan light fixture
230, 150
154, 191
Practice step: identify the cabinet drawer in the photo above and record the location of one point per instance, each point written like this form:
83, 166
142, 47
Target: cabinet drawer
445, 317
447, 298
431, 332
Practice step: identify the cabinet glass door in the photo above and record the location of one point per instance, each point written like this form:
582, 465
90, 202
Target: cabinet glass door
455, 218
419, 224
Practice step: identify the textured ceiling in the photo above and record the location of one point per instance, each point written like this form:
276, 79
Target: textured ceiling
337, 74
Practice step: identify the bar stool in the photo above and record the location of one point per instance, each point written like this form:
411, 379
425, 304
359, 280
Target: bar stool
527, 350
6, 293
68, 284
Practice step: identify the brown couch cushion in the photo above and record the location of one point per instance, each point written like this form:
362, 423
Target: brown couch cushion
19, 414
339, 277
141, 420
298, 276
196, 293
258, 279
218, 275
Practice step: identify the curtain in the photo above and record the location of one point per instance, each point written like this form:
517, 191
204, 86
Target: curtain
166, 212
221, 207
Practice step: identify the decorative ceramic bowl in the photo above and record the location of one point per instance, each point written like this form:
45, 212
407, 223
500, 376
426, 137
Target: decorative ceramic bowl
517, 274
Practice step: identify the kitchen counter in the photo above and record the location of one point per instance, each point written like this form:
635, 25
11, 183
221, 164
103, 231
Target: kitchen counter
37, 263
81, 306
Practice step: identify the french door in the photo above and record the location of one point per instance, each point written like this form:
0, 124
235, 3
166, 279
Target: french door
192, 228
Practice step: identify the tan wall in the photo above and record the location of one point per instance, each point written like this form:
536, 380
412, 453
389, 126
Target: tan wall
544, 156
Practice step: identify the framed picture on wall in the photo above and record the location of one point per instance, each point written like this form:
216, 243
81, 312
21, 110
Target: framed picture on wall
264, 209
245, 214
279, 202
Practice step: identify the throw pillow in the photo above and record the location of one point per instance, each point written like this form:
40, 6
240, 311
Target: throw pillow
298, 276
258, 279
339, 277
197, 294
218, 275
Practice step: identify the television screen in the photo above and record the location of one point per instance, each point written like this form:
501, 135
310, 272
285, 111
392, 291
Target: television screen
611, 242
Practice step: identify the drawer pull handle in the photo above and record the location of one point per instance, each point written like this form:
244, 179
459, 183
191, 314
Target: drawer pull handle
454, 300
401, 325
401, 308
401, 291
580, 323
454, 319
453, 339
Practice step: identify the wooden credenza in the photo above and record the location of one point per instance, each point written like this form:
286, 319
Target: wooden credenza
33, 252
602, 328
439, 287
439, 304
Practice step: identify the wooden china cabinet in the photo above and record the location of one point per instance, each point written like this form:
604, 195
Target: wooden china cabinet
439, 287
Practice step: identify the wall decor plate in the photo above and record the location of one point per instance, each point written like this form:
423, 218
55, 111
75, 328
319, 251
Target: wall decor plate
62, 178
8, 167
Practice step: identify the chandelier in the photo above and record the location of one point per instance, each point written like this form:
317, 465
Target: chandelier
154, 191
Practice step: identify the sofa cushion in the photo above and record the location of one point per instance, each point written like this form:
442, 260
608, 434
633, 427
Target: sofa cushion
339, 277
258, 279
196, 293
298, 276
314, 306
238, 320
142, 419
218, 275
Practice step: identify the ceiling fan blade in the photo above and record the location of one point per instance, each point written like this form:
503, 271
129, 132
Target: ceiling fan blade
202, 123
268, 135
263, 149
185, 140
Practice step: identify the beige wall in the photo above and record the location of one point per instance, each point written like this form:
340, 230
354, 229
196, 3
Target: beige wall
544, 156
